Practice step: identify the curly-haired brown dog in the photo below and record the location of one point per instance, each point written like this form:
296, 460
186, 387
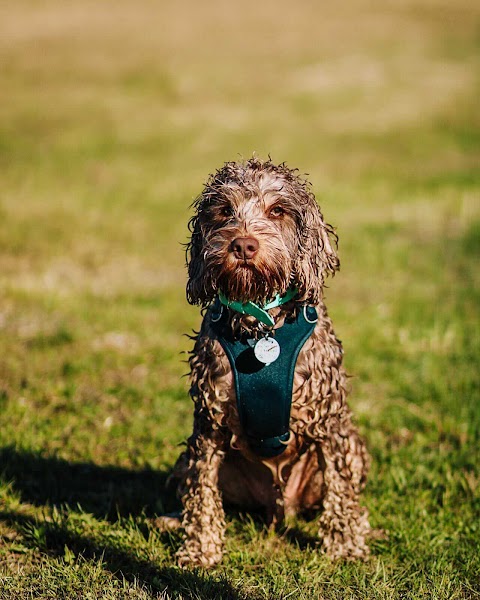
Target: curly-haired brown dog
257, 234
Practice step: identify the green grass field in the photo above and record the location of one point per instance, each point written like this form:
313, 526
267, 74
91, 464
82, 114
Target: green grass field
112, 114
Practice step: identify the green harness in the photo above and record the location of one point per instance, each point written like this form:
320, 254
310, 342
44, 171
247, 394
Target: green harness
264, 391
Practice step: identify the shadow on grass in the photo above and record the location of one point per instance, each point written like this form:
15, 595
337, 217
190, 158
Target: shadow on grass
109, 493
123, 564
105, 492
299, 538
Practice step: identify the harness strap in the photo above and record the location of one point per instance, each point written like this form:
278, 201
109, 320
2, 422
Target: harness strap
259, 312
264, 391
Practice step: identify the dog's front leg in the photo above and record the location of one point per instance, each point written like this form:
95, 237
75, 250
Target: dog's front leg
344, 525
203, 514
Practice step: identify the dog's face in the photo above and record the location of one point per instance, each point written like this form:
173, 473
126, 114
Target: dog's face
257, 231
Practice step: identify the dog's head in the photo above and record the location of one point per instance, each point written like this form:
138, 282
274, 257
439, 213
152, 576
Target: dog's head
256, 232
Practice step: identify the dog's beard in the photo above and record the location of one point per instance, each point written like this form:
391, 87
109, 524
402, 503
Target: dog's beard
258, 279
254, 281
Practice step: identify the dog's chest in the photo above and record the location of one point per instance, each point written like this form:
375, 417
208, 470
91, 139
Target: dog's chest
254, 399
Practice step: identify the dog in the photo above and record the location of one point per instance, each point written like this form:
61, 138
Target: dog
272, 429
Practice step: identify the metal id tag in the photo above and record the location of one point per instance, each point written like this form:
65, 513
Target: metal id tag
267, 350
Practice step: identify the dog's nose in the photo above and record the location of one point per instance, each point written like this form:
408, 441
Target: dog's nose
244, 247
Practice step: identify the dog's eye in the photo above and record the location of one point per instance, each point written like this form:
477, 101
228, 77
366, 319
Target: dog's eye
276, 211
227, 211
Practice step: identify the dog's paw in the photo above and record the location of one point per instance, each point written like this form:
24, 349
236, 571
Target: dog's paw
169, 522
190, 555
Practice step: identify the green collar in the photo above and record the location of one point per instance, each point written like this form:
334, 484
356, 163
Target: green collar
252, 309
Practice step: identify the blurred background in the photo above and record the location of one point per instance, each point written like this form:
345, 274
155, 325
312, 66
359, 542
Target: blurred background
112, 115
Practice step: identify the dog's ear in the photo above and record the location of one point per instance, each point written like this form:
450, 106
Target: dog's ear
195, 263
317, 256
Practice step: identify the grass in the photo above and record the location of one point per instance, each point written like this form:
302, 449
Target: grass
112, 115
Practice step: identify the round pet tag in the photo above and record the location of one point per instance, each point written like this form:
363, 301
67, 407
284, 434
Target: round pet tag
267, 350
